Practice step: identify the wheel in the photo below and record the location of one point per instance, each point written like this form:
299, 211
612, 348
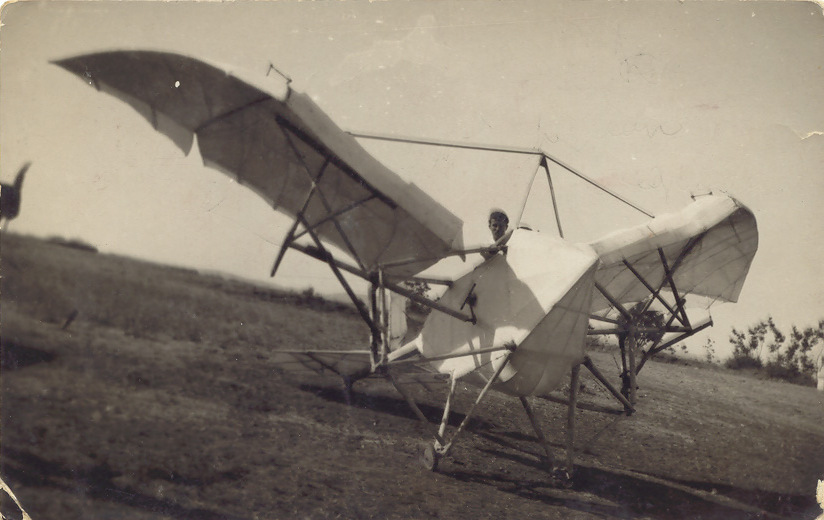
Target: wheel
430, 458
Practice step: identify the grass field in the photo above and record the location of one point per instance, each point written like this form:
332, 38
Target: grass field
133, 390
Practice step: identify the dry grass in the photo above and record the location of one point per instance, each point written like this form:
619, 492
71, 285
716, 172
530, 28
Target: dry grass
52, 282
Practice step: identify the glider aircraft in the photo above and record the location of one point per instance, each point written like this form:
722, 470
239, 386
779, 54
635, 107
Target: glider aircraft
516, 324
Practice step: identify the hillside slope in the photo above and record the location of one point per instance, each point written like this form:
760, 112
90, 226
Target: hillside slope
132, 390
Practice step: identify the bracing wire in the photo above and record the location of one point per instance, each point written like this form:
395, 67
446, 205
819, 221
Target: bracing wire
528, 191
501, 149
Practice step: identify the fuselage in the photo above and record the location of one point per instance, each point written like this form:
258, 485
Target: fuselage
536, 296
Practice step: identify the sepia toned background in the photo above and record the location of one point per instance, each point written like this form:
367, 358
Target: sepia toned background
656, 101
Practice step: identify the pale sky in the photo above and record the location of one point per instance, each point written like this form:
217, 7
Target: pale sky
656, 100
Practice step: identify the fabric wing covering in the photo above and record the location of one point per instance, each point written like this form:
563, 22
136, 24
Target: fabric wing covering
536, 296
278, 146
708, 247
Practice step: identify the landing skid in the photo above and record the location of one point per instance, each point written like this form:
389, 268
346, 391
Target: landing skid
430, 458
560, 474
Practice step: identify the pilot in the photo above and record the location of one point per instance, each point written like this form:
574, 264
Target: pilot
498, 224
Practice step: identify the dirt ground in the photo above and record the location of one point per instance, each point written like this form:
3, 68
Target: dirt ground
138, 391
97, 424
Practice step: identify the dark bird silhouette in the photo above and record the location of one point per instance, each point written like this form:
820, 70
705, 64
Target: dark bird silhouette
10, 196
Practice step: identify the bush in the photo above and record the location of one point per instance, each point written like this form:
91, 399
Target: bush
764, 347
778, 370
743, 361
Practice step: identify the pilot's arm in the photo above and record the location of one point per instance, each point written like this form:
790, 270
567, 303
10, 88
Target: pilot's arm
498, 246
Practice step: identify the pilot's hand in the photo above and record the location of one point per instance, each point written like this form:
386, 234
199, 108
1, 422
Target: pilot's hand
489, 252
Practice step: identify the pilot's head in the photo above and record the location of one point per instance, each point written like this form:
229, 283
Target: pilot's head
498, 222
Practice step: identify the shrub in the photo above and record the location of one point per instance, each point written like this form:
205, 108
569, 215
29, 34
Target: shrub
786, 357
743, 361
778, 370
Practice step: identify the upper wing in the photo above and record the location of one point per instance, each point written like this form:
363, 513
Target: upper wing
706, 248
281, 146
